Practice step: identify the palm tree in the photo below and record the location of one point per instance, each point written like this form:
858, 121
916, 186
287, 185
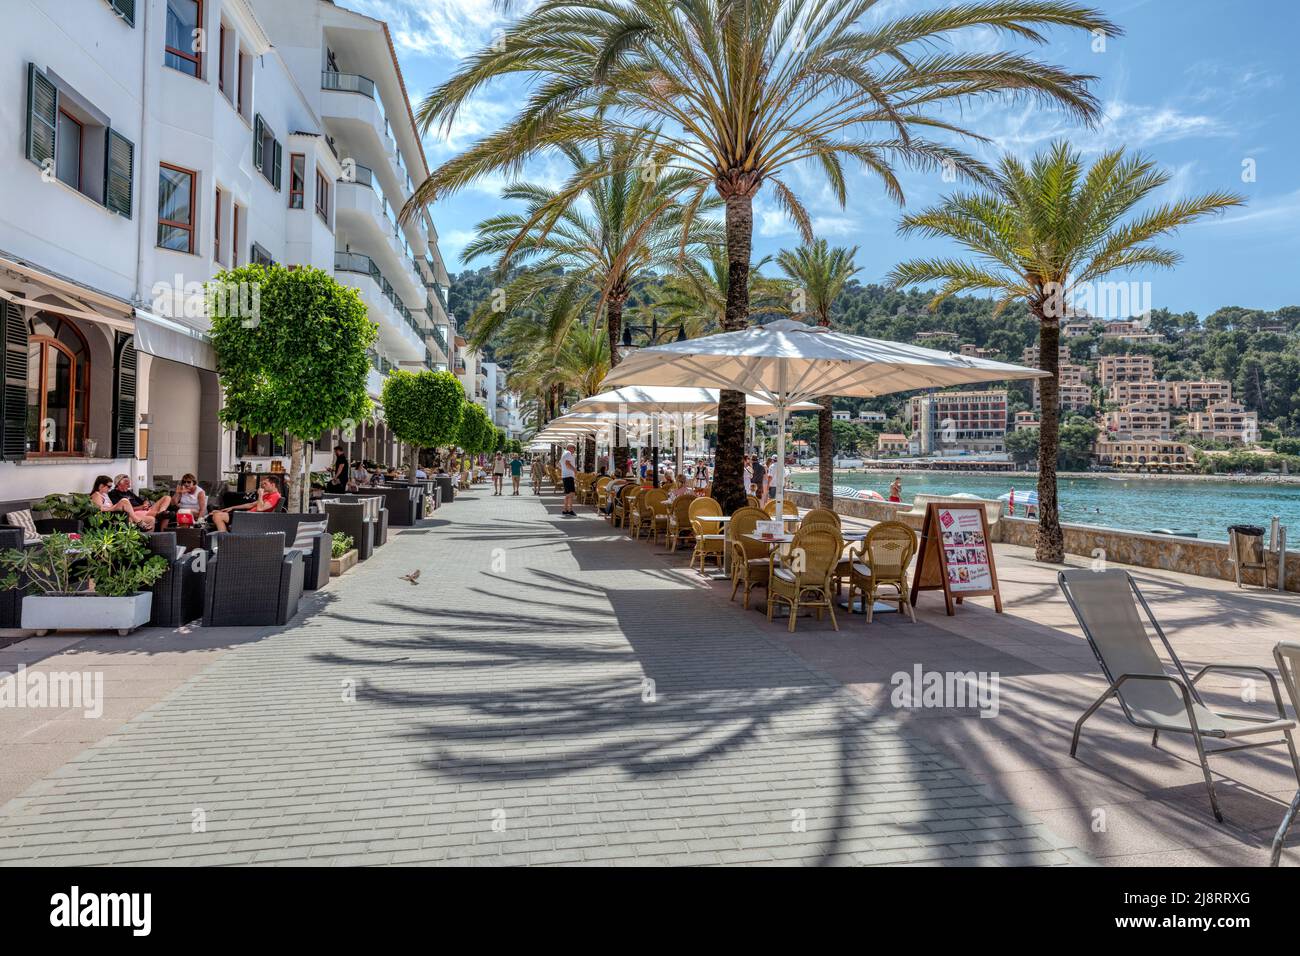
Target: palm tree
819, 274
1044, 234
740, 92
695, 296
585, 251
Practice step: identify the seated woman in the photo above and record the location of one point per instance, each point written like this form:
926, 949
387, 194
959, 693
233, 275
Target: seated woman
679, 488
99, 495
142, 513
268, 499
190, 498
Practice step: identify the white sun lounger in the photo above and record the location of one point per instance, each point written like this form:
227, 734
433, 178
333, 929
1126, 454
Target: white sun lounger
1106, 604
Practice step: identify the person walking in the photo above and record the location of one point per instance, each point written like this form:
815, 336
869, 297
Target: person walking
516, 473
569, 476
896, 490
760, 480
498, 474
338, 483
538, 471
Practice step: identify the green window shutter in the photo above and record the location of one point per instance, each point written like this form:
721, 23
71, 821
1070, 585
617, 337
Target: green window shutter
125, 9
13, 383
257, 142
275, 164
42, 116
119, 173
124, 377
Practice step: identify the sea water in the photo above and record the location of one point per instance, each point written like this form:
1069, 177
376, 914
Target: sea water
1204, 507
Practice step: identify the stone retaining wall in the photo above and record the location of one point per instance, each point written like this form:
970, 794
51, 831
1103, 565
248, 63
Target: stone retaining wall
1168, 552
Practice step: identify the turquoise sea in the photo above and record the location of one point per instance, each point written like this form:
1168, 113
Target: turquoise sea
1205, 507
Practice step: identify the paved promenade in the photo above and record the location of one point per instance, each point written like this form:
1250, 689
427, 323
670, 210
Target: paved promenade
549, 692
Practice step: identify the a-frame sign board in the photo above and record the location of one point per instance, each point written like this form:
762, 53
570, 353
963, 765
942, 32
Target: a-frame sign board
956, 554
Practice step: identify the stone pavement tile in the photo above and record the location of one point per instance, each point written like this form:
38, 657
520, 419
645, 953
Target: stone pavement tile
551, 693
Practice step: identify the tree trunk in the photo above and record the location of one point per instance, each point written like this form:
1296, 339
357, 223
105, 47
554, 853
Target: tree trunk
589, 453
728, 476
1049, 543
297, 481
414, 451
825, 454
614, 327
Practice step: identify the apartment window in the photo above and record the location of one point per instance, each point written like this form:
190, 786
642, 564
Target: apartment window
221, 59
243, 81
259, 256
237, 218
68, 138
69, 141
184, 46
176, 208
297, 179
218, 209
322, 196
266, 151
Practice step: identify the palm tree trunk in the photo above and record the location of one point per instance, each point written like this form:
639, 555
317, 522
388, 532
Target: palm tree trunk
825, 454
728, 476
589, 453
614, 327
1049, 543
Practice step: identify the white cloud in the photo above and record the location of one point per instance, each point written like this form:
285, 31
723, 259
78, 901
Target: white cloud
448, 28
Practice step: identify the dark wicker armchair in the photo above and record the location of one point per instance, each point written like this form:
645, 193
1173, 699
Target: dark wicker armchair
11, 600
379, 503
251, 580
351, 518
178, 594
316, 560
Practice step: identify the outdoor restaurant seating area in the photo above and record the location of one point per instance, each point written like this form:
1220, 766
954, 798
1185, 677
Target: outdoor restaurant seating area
804, 563
252, 568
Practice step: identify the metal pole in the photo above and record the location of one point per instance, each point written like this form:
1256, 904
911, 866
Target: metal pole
654, 447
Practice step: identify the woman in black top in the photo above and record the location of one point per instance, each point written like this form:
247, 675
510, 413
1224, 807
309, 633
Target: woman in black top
338, 482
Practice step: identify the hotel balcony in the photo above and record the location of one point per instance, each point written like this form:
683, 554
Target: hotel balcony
365, 218
399, 333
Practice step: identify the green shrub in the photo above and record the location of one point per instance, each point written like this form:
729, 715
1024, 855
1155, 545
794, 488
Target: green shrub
340, 544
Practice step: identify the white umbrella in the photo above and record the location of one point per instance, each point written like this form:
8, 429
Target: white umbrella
788, 361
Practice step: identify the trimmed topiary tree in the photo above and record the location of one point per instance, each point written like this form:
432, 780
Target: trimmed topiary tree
477, 434
291, 352
423, 409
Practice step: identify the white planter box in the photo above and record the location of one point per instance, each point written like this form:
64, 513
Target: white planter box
86, 612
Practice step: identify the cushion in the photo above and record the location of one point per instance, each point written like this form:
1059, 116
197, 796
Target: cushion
23, 519
307, 531
785, 574
862, 569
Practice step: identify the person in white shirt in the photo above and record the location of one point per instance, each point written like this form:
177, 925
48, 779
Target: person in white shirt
498, 473
569, 475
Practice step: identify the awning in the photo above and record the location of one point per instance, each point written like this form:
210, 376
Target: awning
169, 339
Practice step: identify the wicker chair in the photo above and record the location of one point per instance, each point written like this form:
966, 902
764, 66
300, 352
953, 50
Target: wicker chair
618, 517
752, 502
316, 556
657, 503
11, 599
882, 562
788, 508
821, 514
750, 559
643, 517
709, 542
178, 594
632, 510
679, 522
353, 519
251, 580
598, 491
827, 518
804, 578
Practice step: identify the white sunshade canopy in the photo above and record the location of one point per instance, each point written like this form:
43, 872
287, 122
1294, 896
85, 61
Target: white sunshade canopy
670, 399
790, 361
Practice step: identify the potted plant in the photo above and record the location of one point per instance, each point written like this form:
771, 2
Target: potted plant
93, 581
342, 555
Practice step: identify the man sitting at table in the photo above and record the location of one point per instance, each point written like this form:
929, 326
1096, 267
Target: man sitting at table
142, 513
268, 499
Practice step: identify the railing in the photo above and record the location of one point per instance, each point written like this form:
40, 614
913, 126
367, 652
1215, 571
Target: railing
364, 265
348, 83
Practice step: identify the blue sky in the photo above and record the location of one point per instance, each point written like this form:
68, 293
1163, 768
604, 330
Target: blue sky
1206, 88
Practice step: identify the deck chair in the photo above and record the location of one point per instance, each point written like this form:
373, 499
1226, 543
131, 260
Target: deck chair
1287, 655
1106, 604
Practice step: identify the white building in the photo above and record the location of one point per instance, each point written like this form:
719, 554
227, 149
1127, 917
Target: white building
161, 141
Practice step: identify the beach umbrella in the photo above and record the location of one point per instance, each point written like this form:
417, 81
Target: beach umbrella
1028, 499
789, 361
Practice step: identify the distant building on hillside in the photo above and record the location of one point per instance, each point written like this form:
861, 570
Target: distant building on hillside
868, 417
891, 443
1225, 421
841, 415
1146, 393
974, 351
1142, 452
1025, 420
1072, 398
949, 423
1125, 368
1030, 355
1199, 394
1138, 420
935, 337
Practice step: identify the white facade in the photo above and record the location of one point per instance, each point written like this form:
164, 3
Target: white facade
152, 178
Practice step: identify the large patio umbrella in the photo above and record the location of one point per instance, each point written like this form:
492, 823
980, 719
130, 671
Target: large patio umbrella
790, 361
661, 400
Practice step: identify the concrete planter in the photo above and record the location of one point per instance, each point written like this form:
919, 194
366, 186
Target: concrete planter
86, 612
340, 565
